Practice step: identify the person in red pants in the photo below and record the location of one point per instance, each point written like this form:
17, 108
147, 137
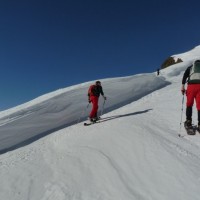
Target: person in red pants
192, 76
93, 97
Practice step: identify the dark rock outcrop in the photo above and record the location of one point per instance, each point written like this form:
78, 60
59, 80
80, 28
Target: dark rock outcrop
170, 61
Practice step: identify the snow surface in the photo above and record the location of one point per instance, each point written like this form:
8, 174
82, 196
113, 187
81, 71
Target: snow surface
134, 154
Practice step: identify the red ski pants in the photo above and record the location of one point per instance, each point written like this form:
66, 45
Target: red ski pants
95, 106
193, 93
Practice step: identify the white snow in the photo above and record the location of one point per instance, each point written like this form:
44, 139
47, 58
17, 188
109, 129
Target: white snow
190, 55
134, 154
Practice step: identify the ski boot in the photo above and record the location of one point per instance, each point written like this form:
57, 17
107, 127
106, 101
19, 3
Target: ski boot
188, 124
191, 130
198, 127
93, 120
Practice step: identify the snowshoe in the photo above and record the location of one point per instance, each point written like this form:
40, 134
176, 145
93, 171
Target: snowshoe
190, 129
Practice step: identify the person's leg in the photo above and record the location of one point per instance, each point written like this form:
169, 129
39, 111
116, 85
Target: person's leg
199, 117
189, 113
190, 101
94, 110
198, 101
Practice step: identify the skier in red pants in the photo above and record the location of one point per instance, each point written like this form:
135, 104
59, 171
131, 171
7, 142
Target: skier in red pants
192, 75
93, 97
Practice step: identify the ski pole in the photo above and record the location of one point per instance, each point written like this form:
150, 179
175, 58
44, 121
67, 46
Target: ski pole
181, 115
103, 107
83, 112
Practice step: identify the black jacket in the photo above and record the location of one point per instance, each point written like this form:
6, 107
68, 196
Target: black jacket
96, 90
186, 75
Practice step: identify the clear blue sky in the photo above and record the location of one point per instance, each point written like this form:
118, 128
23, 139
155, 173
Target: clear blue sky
46, 45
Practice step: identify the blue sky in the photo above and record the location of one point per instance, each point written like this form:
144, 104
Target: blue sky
46, 45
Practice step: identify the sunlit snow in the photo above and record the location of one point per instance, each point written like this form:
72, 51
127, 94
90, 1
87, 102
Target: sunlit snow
133, 154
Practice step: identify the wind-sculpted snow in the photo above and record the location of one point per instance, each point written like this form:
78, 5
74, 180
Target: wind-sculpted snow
49, 113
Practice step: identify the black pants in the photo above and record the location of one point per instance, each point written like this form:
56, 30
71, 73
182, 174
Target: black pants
189, 114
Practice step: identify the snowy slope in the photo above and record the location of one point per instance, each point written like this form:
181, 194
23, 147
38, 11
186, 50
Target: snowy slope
190, 55
59, 109
134, 154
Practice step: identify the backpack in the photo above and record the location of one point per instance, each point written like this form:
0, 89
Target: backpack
91, 90
195, 72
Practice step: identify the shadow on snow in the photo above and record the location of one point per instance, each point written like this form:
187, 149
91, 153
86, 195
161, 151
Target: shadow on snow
35, 138
126, 115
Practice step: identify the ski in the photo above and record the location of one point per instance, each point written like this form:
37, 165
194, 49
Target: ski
99, 120
90, 123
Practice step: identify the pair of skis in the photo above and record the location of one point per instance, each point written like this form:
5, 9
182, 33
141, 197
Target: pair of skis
93, 122
90, 123
99, 120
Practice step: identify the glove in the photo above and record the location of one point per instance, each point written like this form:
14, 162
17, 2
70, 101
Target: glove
104, 98
183, 90
89, 101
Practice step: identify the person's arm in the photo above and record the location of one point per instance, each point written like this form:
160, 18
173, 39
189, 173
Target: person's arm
102, 93
185, 77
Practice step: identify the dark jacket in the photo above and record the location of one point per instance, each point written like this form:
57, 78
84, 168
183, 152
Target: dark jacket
186, 75
95, 90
